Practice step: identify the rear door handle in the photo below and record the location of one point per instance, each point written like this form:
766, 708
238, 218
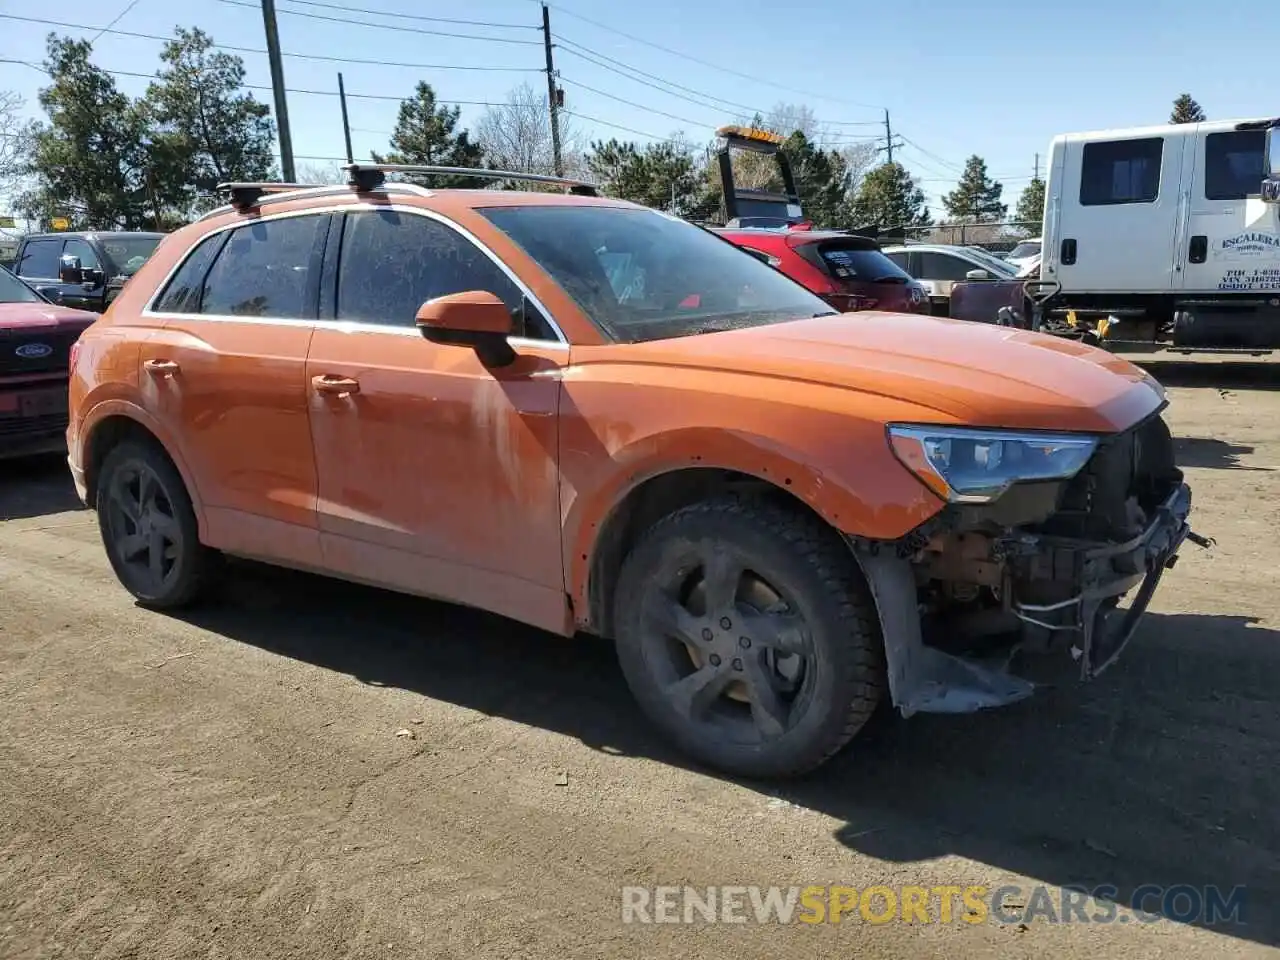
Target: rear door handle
341, 386
161, 368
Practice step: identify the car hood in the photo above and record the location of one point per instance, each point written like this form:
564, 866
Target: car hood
43, 316
972, 373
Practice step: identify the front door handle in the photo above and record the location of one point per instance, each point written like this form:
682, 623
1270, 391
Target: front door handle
161, 368
341, 386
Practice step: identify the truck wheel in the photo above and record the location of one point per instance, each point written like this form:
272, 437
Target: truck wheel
748, 635
149, 528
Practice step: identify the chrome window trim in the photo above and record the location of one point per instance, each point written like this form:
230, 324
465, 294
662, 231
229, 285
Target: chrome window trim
353, 326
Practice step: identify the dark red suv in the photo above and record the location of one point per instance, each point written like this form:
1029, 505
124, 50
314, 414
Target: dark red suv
846, 270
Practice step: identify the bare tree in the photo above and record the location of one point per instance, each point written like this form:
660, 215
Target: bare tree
325, 173
859, 158
517, 135
15, 142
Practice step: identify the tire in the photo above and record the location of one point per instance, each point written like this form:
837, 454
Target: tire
188, 568
841, 673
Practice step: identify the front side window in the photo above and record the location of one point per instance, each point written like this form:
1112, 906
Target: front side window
642, 275
40, 259
1234, 165
939, 266
268, 269
1120, 171
78, 248
391, 263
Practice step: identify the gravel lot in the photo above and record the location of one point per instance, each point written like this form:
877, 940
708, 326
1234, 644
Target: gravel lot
231, 783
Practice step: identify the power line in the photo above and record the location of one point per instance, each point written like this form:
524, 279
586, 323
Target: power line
258, 86
259, 50
412, 16
595, 57
632, 103
388, 26
119, 16
615, 126
706, 63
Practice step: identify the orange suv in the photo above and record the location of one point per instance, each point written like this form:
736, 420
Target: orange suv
593, 417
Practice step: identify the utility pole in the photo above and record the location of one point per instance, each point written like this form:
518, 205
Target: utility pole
277, 88
346, 124
1037, 167
553, 95
888, 135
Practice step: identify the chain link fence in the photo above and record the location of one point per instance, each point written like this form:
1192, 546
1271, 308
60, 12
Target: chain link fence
997, 237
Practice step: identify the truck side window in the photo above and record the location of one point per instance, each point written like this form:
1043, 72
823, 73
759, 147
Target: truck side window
40, 259
89, 260
1233, 164
1121, 171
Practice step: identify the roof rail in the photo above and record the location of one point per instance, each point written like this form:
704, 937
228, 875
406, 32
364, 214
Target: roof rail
367, 176
246, 193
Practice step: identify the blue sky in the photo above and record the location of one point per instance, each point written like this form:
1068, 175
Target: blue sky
993, 77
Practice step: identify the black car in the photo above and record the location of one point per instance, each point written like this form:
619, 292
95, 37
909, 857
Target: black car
89, 268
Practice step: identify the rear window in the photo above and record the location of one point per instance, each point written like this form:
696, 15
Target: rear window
852, 263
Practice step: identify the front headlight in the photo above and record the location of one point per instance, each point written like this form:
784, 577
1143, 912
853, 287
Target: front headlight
965, 465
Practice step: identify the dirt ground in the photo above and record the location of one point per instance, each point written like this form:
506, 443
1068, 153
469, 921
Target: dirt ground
230, 784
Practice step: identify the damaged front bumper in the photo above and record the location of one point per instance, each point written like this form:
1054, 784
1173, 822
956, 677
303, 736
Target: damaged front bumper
1095, 576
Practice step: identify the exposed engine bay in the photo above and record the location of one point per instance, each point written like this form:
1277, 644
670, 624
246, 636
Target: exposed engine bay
1043, 568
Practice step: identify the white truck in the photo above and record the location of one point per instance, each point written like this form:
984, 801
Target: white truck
1167, 236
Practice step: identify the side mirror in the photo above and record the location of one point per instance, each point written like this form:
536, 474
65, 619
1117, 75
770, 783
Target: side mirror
52, 294
977, 275
70, 270
1271, 167
475, 319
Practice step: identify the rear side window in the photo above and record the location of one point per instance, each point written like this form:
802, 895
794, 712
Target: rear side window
898, 258
268, 269
1121, 171
40, 259
182, 295
391, 263
1233, 164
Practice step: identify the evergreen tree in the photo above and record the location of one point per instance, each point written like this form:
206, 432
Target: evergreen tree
888, 197
205, 128
662, 174
89, 159
1030, 210
976, 198
1186, 110
427, 133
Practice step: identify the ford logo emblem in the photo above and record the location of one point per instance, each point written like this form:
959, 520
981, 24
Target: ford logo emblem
33, 351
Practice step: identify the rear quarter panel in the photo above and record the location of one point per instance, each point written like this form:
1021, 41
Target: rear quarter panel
623, 424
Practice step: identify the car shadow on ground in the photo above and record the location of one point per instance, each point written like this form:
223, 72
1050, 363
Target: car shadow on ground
36, 487
1212, 453
1159, 772
1224, 375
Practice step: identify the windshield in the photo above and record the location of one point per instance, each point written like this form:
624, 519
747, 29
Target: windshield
994, 264
129, 253
642, 275
1027, 248
13, 290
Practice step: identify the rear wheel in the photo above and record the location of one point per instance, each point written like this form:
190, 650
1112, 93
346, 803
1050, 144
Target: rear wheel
149, 529
748, 635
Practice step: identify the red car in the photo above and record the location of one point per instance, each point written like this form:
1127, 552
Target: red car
36, 336
846, 270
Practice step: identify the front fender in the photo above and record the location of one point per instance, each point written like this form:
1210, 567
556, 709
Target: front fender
878, 499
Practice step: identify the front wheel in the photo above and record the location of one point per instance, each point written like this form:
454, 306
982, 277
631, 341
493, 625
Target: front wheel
748, 635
